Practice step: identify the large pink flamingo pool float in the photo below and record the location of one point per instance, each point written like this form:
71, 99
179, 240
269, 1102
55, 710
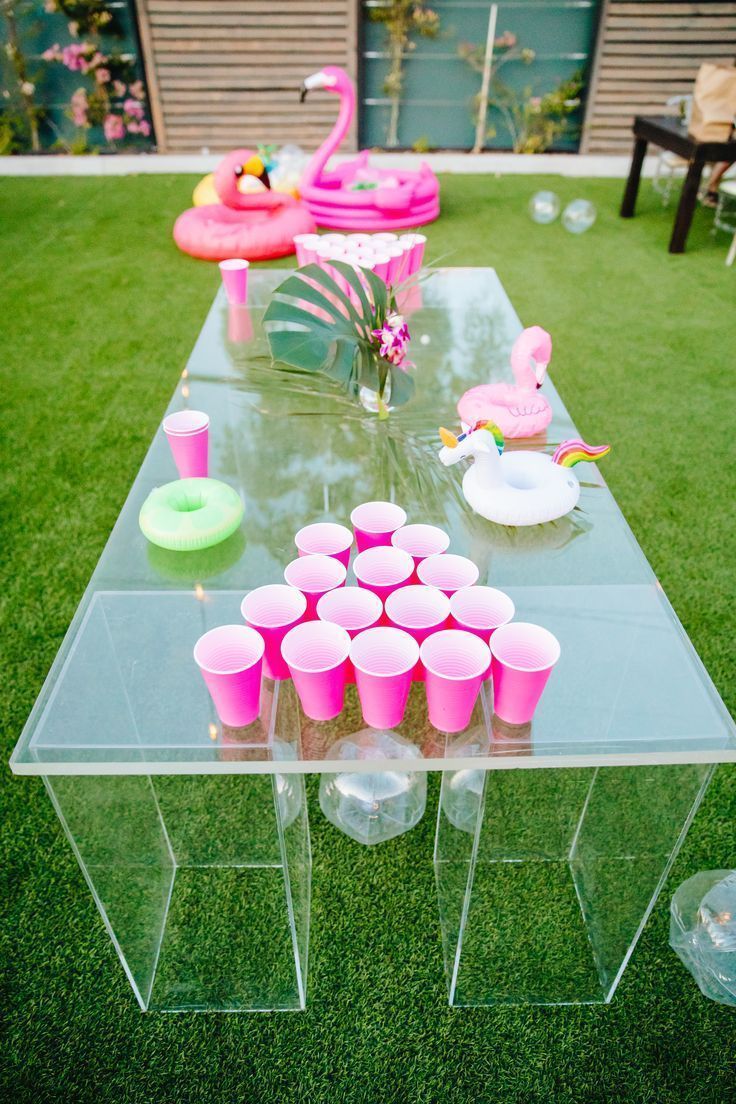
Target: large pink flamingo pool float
255, 226
355, 196
517, 408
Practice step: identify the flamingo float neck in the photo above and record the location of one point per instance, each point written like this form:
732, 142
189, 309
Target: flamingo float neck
332, 79
530, 355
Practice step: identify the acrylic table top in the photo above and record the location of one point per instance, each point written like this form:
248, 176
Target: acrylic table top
123, 695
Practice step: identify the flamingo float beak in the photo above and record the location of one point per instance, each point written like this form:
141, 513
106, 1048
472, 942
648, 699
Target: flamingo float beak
254, 167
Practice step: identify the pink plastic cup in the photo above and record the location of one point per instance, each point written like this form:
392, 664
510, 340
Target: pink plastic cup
447, 572
316, 654
305, 246
455, 664
374, 523
383, 569
386, 236
325, 538
420, 611
480, 610
354, 609
416, 242
314, 576
523, 656
188, 434
234, 274
359, 240
273, 610
421, 541
384, 659
230, 658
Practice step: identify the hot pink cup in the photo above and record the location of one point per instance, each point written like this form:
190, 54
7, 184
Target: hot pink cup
314, 576
188, 434
273, 610
421, 541
374, 523
420, 611
384, 659
325, 538
523, 656
480, 610
354, 609
416, 242
455, 664
316, 654
305, 248
234, 274
230, 658
447, 572
383, 569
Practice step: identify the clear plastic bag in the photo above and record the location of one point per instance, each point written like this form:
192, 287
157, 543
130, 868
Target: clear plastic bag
703, 931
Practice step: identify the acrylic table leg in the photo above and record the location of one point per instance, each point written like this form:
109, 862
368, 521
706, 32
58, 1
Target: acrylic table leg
632, 184
686, 206
546, 877
203, 883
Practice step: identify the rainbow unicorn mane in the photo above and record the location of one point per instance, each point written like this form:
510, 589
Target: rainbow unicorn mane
570, 453
494, 431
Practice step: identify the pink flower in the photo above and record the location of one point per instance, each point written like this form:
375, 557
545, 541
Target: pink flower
74, 57
144, 128
114, 128
53, 53
97, 59
133, 108
79, 105
119, 88
102, 75
137, 90
134, 127
393, 338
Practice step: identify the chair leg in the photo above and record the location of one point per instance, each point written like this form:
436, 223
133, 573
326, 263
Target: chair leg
731, 255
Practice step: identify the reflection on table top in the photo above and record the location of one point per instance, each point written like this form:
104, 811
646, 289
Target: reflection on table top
123, 695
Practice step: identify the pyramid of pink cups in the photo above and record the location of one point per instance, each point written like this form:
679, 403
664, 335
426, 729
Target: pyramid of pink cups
393, 257
416, 614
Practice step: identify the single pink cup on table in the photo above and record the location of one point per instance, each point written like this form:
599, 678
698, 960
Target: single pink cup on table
354, 609
188, 434
272, 611
316, 654
455, 664
447, 572
234, 274
523, 656
374, 523
420, 611
325, 538
421, 541
315, 576
480, 610
383, 569
384, 659
230, 659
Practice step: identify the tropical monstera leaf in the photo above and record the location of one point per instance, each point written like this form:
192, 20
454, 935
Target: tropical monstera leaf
314, 326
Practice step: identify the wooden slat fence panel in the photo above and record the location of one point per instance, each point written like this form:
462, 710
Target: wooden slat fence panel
648, 51
226, 73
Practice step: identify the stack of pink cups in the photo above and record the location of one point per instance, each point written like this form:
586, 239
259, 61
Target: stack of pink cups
417, 614
392, 257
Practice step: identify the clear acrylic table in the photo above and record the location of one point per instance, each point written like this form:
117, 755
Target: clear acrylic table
194, 840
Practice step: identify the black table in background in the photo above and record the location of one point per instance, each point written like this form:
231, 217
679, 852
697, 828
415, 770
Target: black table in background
669, 133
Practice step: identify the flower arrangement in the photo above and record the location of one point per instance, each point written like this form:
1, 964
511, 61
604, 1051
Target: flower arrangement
402, 19
20, 115
350, 331
534, 122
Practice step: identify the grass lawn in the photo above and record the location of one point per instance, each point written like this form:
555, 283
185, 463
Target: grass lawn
99, 314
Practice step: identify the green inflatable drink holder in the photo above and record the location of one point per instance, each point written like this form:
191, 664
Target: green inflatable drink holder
190, 514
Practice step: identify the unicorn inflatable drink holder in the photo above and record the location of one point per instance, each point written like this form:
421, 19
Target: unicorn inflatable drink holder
516, 488
355, 196
516, 408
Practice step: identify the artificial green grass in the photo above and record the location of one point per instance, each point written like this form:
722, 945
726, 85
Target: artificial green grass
99, 314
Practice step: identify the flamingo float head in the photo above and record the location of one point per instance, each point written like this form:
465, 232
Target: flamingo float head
230, 171
332, 79
530, 355
482, 438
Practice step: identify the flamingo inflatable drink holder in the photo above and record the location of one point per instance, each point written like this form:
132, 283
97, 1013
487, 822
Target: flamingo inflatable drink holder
355, 196
516, 488
516, 408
